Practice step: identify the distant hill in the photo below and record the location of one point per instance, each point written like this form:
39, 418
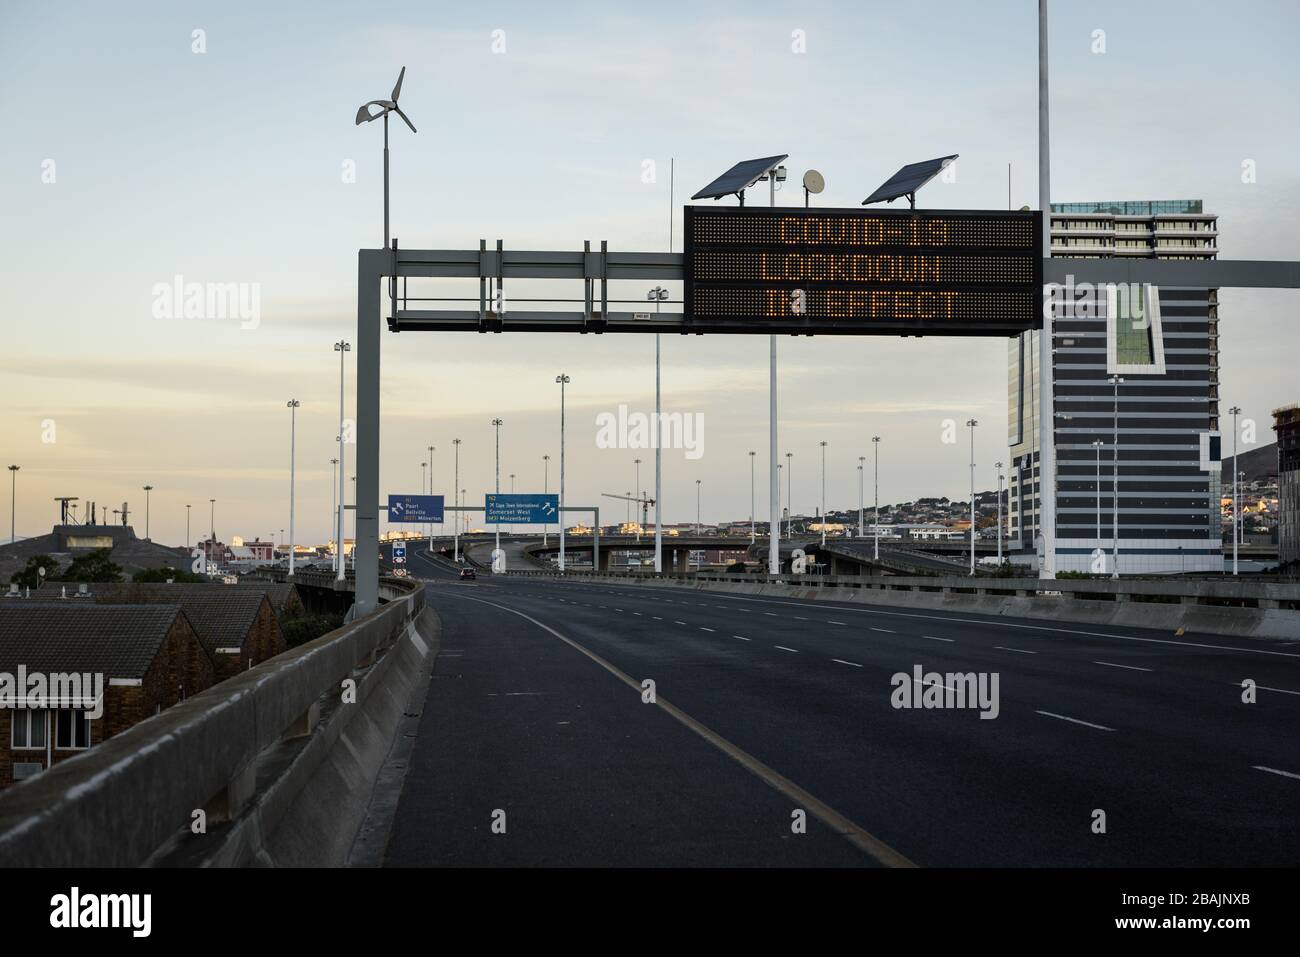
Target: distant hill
1258, 462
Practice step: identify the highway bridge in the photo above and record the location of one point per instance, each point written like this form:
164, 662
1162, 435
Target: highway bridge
711, 719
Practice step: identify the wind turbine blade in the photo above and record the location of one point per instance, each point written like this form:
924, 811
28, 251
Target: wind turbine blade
363, 115
397, 90
398, 110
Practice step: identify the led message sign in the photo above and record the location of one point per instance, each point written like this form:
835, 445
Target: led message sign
862, 271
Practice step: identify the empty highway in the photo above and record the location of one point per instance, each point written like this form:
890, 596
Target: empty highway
767, 707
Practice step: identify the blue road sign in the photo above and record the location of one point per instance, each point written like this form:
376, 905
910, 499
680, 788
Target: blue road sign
399, 549
522, 509
415, 508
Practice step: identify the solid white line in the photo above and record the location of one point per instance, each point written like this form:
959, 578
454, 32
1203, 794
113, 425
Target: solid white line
888, 631
935, 638
1099, 727
1285, 774
702, 628
784, 648
1111, 664
1019, 651
841, 661
1262, 688
741, 637
836, 622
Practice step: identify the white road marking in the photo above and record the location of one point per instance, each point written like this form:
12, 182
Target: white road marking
675, 622
798, 618
937, 638
1089, 724
741, 637
1111, 664
1019, 651
656, 618
638, 614
836, 623
932, 684
1005, 624
784, 648
1262, 688
852, 664
770, 614
888, 631
702, 628
1285, 774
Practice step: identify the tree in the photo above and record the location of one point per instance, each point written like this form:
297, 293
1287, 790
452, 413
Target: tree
164, 573
96, 566
29, 577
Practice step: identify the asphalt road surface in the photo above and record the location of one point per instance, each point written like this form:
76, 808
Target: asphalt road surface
769, 710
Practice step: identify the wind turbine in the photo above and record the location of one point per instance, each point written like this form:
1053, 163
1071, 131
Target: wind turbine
385, 107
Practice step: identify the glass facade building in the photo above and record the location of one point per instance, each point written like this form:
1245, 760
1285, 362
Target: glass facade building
1157, 428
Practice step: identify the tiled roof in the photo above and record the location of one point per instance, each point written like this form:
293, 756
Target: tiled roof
222, 615
119, 641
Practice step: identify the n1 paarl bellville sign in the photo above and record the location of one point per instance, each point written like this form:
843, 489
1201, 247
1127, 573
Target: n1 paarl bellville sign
863, 271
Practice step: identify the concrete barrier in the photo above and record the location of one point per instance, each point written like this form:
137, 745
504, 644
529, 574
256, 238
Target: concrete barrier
263, 759
1204, 607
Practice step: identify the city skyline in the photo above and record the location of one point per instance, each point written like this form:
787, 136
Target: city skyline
196, 407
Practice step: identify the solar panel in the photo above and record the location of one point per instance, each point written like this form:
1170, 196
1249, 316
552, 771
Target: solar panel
908, 180
740, 177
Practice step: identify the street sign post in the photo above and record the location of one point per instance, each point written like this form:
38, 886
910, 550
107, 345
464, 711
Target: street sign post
415, 508
520, 509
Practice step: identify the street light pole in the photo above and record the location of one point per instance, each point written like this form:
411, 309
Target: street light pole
789, 495
546, 488
862, 474
1114, 572
149, 488
638, 494
187, 528
753, 529
563, 380
432, 449
972, 423
998, 465
659, 294
293, 453
1097, 444
455, 494
823, 494
697, 508
496, 423
342, 347
1236, 411
13, 501
334, 504
875, 512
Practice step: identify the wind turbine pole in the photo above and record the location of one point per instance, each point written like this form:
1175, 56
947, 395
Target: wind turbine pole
386, 233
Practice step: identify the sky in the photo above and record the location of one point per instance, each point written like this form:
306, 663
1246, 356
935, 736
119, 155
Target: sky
136, 150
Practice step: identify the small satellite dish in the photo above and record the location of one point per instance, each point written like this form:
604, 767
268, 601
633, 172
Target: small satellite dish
813, 181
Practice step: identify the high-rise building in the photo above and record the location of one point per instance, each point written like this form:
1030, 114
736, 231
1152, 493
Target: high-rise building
1286, 423
1138, 364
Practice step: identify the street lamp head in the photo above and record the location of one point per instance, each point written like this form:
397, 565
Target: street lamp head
972, 423
562, 378
14, 468
497, 422
875, 438
148, 488
293, 404
342, 346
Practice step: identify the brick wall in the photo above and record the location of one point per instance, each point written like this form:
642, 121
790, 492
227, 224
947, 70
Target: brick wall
181, 668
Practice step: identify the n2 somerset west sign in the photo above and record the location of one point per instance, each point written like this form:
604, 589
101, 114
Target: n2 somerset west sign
863, 271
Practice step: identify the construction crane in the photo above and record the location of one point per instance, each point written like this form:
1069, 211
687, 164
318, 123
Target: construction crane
645, 503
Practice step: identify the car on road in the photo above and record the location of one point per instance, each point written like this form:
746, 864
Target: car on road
467, 574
